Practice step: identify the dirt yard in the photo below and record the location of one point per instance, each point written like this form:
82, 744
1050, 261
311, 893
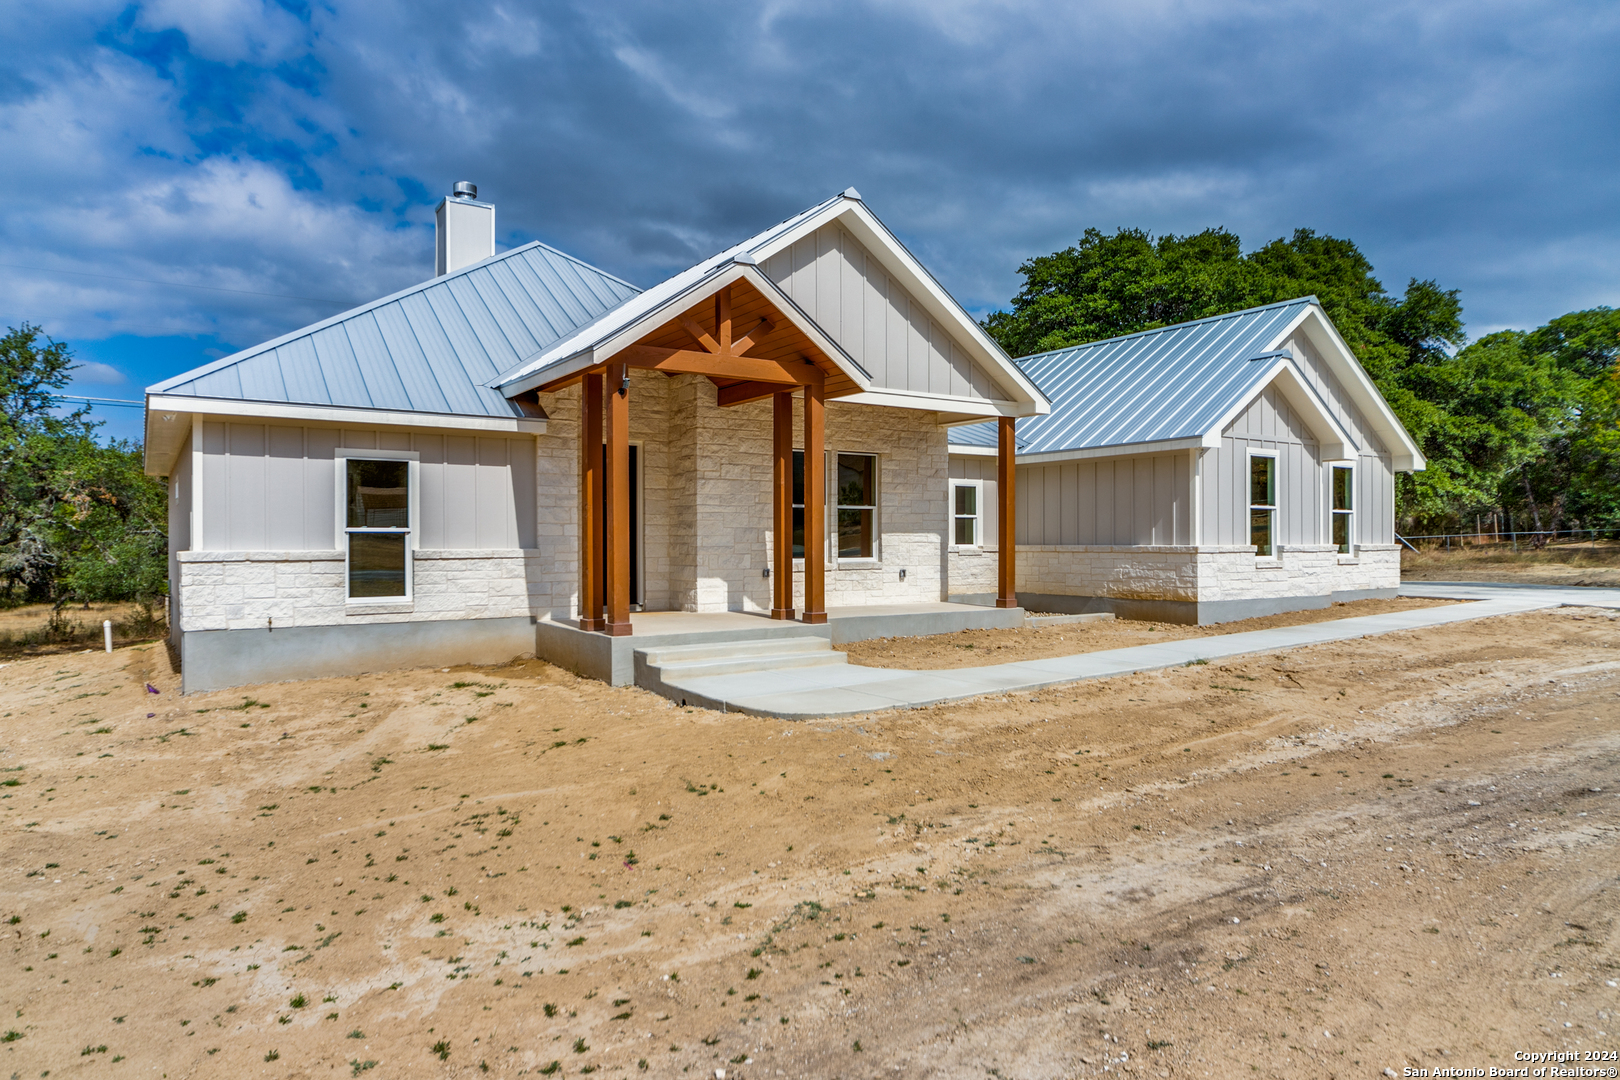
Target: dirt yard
1595, 565
1329, 862
31, 630
973, 648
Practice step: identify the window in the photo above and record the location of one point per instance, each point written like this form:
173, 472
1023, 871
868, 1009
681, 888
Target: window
967, 523
1343, 508
1263, 505
377, 522
857, 505
798, 504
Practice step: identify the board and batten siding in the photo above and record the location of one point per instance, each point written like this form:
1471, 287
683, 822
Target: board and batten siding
844, 288
1141, 500
272, 487
1269, 425
1375, 474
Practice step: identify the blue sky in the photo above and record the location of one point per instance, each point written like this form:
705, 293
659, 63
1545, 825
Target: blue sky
188, 177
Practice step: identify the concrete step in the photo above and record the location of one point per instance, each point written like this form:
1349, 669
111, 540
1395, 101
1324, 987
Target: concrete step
697, 669
660, 655
667, 669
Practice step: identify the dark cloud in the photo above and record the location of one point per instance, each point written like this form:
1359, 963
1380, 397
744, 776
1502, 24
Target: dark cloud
297, 150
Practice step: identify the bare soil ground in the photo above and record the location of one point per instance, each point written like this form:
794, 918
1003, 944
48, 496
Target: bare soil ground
29, 630
972, 648
1588, 564
1326, 862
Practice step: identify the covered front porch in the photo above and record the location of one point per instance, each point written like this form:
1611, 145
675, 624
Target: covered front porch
703, 462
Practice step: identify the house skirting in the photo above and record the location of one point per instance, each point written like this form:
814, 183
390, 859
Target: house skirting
219, 659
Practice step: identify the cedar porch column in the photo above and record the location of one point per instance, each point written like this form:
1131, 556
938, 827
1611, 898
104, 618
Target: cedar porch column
616, 501
590, 503
782, 505
1006, 510
815, 502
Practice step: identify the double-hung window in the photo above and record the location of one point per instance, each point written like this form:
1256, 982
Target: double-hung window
1343, 492
967, 515
1263, 504
377, 526
857, 506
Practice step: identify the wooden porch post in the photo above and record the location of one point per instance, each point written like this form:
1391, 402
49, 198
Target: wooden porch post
616, 501
815, 502
590, 503
782, 505
1007, 510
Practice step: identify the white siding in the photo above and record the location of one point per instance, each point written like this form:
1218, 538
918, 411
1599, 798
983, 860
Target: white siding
845, 289
1268, 424
1375, 477
271, 487
180, 515
1142, 500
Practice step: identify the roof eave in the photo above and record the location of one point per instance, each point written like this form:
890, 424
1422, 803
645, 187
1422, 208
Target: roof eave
171, 409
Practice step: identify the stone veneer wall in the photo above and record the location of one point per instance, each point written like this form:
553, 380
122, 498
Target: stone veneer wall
240, 590
1204, 574
1376, 567
1233, 573
1117, 572
720, 466
973, 573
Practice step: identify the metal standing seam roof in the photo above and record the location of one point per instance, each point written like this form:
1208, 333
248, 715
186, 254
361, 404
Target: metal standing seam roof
436, 347
1175, 382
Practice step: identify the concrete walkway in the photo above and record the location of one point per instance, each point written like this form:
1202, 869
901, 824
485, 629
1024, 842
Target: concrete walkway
844, 690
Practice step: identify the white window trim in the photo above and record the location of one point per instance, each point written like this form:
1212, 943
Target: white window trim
1248, 506
978, 517
413, 531
833, 506
1352, 555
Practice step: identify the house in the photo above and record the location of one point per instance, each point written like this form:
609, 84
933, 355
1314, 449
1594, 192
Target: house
527, 455
1229, 467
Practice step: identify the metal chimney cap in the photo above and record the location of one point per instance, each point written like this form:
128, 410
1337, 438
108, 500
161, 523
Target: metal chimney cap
464, 189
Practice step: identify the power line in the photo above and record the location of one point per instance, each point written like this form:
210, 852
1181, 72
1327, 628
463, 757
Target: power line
178, 284
126, 402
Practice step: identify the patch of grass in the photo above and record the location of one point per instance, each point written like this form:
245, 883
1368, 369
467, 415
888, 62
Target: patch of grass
442, 1048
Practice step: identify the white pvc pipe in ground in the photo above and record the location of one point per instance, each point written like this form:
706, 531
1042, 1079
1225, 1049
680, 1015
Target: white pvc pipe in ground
106, 632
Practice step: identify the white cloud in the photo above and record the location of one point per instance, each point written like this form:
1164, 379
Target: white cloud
228, 30
96, 374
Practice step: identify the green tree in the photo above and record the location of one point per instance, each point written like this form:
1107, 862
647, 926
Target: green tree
79, 520
1576, 476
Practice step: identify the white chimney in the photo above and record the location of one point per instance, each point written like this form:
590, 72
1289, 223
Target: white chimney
464, 230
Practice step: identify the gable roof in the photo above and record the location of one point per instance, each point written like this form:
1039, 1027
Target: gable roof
435, 347
594, 341
1179, 386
